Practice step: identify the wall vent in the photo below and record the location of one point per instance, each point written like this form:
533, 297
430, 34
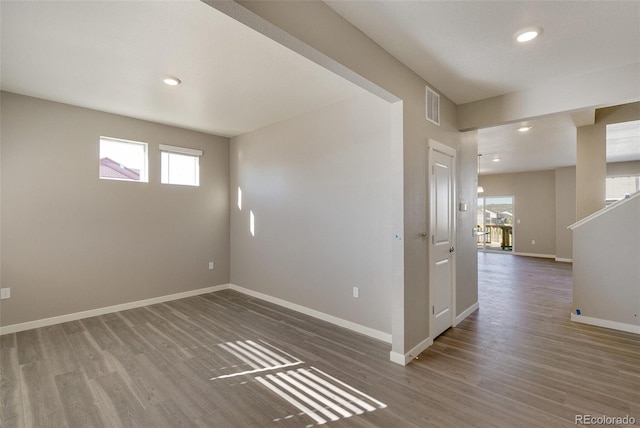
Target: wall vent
433, 106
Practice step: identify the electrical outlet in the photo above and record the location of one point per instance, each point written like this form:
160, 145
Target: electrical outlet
533, 242
210, 265
5, 293
356, 292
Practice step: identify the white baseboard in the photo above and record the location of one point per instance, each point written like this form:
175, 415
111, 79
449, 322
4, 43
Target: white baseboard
615, 325
14, 328
405, 359
544, 256
367, 331
471, 309
560, 259
412, 354
398, 358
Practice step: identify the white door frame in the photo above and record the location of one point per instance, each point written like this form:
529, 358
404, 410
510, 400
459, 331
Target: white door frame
434, 145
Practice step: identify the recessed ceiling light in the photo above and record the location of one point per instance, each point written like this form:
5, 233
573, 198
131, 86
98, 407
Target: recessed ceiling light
524, 128
172, 81
528, 34
496, 159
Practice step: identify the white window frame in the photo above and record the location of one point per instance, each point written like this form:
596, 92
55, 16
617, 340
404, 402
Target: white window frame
180, 151
144, 172
636, 177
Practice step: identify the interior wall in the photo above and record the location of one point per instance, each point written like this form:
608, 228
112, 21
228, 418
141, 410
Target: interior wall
591, 169
317, 25
73, 242
534, 206
608, 288
466, 244
565, 211
565, 202
319, 186
607, 87
617, 169
591, 160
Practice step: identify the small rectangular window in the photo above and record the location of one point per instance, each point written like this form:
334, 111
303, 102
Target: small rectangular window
179, 165
619, 187
123, 160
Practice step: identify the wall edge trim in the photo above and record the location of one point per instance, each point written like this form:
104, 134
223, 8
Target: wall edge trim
45, 322
405, 359
544, 256
349, 325
599, 322
471, 309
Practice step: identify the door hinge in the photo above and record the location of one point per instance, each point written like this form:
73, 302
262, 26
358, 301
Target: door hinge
433, 310
433, 169
433, 239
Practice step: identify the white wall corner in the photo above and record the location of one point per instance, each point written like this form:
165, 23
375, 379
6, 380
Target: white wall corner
405, 359
398, 358
615, 325
471, 309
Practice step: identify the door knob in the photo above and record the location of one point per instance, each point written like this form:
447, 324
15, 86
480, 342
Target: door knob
451, 250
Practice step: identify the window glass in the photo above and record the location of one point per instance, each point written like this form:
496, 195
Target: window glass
179, 168
123, 160
618, 187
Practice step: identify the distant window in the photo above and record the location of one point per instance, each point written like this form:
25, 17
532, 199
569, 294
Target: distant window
123, 160
179, 165
618, 187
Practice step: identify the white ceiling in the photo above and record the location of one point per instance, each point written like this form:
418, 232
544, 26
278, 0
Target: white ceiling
549, 144
111, 56
467, 50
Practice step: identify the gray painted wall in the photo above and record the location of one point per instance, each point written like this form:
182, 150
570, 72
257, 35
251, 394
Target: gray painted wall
534, 189
315, 24
565, 211
623, 168
319, 186
591, 161
72, 242
466, 244
591, 169
608, 288
534, 205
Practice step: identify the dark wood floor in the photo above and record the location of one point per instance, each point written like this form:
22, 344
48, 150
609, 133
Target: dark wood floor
227, 360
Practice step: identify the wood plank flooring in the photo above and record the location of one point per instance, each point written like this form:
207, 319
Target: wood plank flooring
228, 360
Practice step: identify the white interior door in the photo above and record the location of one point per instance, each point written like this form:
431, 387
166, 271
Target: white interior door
442, 231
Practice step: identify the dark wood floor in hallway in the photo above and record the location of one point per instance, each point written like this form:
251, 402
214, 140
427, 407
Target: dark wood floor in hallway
228, 360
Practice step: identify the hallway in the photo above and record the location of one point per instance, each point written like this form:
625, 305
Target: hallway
520, 348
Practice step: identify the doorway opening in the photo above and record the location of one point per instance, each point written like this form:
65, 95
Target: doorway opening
495, 223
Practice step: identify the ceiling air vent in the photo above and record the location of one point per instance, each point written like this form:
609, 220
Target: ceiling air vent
433, 106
